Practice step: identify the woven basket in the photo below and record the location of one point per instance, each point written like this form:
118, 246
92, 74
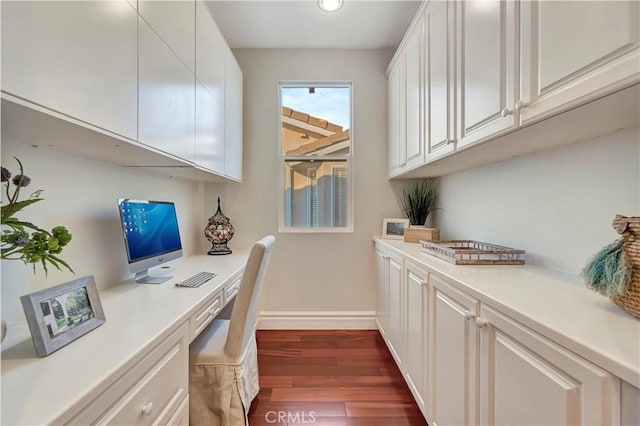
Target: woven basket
630, 226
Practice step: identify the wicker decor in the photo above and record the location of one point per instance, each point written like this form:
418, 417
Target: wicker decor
470, 252
630, 227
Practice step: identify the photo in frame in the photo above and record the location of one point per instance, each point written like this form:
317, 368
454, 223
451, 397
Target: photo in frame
61, 314
394, 228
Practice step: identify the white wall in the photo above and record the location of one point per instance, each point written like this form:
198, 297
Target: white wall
81, 194
312, 272
557, 205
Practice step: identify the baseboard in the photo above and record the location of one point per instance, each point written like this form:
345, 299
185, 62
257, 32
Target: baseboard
317, 320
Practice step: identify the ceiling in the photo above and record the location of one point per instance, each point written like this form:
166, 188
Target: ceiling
359, 24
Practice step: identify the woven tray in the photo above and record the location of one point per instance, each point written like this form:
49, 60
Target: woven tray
630, 227
470, 252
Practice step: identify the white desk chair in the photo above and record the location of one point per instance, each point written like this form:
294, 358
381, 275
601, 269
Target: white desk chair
223, 370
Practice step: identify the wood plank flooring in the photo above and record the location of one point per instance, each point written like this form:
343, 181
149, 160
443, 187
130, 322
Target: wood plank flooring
330, 378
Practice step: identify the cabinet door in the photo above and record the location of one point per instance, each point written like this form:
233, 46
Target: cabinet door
232, 147
417, 313
527, 379
209, 137
396, 117
174, 22
382, 290
487, 52
414, 141
166, 117
453, 356
233, 85
573, 52
210, 52
395, 337
76, 58
439, 79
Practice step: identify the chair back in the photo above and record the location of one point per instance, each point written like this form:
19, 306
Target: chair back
245, 309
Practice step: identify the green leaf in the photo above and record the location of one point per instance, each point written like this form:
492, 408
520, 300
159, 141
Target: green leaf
9, 210
62, 262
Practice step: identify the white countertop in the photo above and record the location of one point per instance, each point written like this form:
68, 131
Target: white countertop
38, 391
555, 304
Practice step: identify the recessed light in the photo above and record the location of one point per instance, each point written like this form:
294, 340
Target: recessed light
330, 5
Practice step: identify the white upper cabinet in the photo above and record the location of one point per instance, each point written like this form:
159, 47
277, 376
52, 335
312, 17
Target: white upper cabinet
210, 52
75, 58
575, 51
406, 124
209, 138
414, 142
233, 85
233, 117
232, 147
486, 60
439, 76
492, 67
167, 98
157, 74
174, 22
396, 118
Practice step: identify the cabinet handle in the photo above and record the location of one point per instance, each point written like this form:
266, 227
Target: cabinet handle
450, 141
505, 112
212, 311
424, 283
469, 315
147, 409
386, 257
520, 105
481, 322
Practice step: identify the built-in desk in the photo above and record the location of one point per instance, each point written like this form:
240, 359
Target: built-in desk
132, 369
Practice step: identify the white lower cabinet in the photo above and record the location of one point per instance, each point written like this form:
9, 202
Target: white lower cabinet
417, 313
152, 392
395, 338
382, 290
453, 355
467, 363
528, 379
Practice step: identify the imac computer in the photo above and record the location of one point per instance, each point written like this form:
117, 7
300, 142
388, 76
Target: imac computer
151, 236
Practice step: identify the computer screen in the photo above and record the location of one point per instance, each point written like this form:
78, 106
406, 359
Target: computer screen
151, 235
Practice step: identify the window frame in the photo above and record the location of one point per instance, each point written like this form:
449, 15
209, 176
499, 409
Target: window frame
347, 159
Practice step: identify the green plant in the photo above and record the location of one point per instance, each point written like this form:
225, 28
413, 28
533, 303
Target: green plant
418, 200
23, 240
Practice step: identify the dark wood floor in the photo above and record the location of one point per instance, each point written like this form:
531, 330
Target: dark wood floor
330, 378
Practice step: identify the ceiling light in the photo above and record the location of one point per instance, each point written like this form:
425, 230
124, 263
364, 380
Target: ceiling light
330, 5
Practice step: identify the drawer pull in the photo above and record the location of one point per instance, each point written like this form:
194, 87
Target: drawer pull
469, 315
147, 409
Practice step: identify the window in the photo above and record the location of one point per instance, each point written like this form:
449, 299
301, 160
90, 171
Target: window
316, 147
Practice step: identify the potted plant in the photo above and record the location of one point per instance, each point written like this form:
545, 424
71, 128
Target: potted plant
23, 240
418, 199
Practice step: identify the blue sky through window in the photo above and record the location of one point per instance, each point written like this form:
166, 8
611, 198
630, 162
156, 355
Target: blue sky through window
330, 103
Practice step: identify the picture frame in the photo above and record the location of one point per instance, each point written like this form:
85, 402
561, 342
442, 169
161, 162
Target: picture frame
394, 228
61, 314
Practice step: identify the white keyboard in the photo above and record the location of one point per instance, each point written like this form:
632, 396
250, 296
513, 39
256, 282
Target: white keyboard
196, 280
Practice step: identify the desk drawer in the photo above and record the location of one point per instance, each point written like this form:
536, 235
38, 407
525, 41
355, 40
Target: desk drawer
204, 316
150, 391
231, 289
